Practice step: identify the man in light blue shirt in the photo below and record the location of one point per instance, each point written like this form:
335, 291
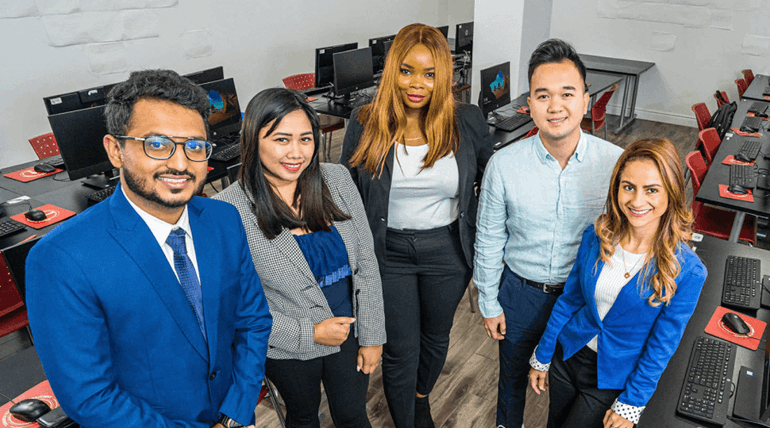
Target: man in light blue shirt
537, 197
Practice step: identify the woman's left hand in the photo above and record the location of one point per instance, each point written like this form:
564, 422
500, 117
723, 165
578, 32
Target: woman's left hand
613, 420
368, 358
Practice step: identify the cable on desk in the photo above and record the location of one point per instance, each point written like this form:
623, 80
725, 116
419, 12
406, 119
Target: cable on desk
55, 179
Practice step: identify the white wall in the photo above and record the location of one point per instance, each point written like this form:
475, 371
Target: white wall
696, 46
258, 43
496, 38
536, 28
458, 12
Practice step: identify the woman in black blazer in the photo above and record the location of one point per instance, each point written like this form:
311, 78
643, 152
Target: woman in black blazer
416, 157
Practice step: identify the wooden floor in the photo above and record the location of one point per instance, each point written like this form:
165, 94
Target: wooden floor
466, 393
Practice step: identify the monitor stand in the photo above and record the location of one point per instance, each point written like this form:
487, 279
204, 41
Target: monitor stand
343, 100
103, 180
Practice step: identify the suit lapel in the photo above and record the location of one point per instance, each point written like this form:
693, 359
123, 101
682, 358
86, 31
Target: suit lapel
628, 298
286, 243
208, 269
139, 243
463, 160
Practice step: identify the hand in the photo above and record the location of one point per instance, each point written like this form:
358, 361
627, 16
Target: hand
217, 425
368, 358
332, 331
537, 380
613, 420
495, 327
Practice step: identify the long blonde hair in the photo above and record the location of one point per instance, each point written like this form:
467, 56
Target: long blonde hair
675, 225
384, 120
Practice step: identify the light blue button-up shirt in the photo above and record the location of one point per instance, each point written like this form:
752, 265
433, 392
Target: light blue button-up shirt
532, 212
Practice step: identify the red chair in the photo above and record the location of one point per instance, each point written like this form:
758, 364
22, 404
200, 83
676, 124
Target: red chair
329, 124
13, 314
713, 221
702, 115
45, 145
721, 100
532, 132
742, 86
598, 113
709, 138
748, 75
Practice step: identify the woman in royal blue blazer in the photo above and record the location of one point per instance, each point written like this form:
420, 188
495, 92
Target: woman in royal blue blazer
627, 301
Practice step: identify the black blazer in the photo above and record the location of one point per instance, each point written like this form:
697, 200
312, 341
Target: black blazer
476, 144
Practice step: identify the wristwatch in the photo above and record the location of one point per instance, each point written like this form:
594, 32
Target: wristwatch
228, 422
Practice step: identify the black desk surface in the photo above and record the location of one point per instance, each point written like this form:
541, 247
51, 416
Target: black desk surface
754, 92
720, 174
20, 372
615, 65
661, 409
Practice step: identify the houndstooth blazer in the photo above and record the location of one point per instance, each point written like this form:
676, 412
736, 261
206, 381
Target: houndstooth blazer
293, 294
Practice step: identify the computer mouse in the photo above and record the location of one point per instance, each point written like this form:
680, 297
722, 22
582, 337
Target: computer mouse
29, 410
741, 157
44, 168
735, 323
736, 189
35, 215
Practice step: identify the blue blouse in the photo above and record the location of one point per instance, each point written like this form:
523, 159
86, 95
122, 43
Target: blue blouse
328, 260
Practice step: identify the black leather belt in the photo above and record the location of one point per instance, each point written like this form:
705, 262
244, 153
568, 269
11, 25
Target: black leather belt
548, 288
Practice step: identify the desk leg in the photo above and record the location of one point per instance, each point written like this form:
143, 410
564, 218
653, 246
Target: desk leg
737, 226
623, 106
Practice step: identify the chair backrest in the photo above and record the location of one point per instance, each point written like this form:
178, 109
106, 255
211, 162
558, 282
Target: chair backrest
600, 107
702, 115
748, 75
742, 86
44, 145
709, 137
698, 169
10, 299
532, 132
299, 82
721, 100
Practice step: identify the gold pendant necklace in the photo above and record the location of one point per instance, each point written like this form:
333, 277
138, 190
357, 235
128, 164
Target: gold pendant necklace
628, 271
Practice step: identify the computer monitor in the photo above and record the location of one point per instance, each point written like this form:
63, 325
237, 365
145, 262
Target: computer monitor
444, 30
79, 135
353, 71
205, 76
77, 100
464, 37
387, 48
324, 63
16, 258
378, 51
225, 118
495, 88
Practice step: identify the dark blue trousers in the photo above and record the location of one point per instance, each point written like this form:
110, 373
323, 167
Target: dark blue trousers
526, 310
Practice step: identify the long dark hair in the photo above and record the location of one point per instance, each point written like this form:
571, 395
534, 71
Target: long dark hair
317, 209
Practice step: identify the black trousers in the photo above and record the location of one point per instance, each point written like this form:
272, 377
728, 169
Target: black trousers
299, 383
423, 280
575, 399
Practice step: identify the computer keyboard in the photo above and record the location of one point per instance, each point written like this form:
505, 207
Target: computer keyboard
228, 153
359, 101
706, 390
9, 227
742, 287
100, 195
54, 161
514, 122
751, 124
757, 107
743, 175
750, 149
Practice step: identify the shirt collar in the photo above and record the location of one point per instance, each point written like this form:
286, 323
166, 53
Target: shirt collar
159, 228
579, 154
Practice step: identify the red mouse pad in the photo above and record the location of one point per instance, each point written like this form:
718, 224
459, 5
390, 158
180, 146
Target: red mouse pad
751, 114
29, 174
523, 109
42, 392
748, 197
53, 214
730, 160
746, 134
751, 340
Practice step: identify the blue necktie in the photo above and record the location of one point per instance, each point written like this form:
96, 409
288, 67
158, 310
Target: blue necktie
188, 279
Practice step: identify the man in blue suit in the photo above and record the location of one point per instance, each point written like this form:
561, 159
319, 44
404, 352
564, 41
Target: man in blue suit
146, 309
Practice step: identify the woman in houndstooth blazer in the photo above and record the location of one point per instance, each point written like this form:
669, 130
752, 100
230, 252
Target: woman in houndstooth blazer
312, 247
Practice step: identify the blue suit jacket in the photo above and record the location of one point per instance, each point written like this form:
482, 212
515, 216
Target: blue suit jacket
117, 338
636, 340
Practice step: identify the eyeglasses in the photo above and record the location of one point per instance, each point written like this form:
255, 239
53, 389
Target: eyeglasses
162, 147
